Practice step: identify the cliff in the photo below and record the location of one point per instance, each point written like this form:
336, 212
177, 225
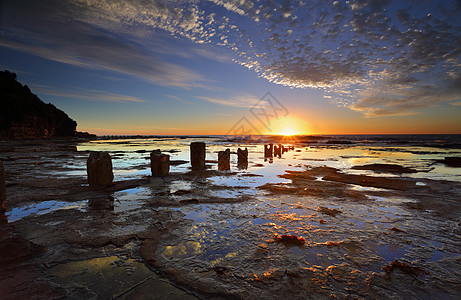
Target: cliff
24, 115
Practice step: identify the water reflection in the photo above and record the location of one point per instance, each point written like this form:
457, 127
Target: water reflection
42, 208
132, 156
182, 250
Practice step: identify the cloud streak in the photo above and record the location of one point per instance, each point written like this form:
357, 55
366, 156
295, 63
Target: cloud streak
88, 95
239, 101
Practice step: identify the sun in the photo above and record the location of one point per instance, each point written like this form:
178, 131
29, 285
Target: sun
287, 132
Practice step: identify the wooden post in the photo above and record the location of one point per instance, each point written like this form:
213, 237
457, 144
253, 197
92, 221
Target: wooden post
197, 156
224, 160
159, 163
268, 150
242, 158
99, 169
278, 150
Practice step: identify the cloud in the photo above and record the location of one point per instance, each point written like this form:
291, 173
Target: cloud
407, 97
80, 40
213, 54
379, 57
85, 94
239, 101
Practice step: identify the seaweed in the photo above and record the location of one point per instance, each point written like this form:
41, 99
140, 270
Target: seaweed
331, 243
329, 211
220, 270
190, 201
396, 229
404, 267
290, 240
181, 192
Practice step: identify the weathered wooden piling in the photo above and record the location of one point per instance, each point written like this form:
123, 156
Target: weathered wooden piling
99, 169
159, 163
268, 150
278, 150
2, 187
242, 158
224, 160
197, 156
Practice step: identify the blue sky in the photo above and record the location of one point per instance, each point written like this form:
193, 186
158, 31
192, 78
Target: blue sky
197, 67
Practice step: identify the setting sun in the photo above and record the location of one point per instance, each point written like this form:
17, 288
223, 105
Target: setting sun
288, 126
288, 131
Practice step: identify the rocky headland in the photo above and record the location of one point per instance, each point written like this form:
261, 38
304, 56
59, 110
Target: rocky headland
24, 115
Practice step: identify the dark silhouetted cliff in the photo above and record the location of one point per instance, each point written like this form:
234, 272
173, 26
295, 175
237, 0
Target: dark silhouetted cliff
24, 115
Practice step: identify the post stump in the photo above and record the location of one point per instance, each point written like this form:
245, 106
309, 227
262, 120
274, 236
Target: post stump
159, 163
99, 169
278, 150
268, 150
197, 156
242, 158
224, 160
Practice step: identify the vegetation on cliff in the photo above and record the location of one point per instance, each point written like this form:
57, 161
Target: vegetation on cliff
24, 115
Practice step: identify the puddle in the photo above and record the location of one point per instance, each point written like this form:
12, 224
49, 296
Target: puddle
182, 250
442, 254
390, 252
244, 181
367, 188
180, 185
130, 199
228, 193
393, 200
43, 208
197, 213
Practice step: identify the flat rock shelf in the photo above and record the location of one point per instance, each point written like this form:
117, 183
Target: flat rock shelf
305, 224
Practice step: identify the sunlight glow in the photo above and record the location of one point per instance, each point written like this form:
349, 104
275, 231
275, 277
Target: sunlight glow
288, 131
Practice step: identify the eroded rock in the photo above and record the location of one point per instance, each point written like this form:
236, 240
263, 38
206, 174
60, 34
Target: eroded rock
453, 161
14, 248
2, 187
385, 168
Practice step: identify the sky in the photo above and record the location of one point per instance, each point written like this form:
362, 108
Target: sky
240, 66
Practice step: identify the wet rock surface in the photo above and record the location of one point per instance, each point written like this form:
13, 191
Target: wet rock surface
2, 187
386, 168
454, 162
299, 233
